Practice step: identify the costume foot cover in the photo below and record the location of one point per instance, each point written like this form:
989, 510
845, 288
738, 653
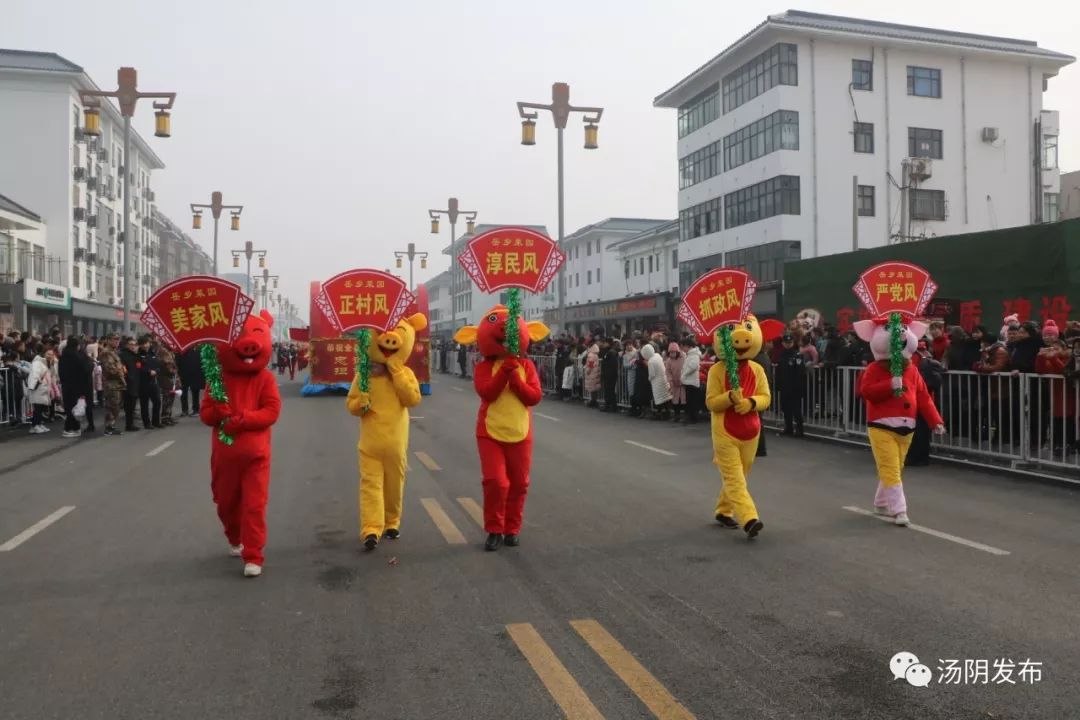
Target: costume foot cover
252, 570
236, 550
728, 523
494, 540
371, 542
392, 533
511, 540
752, 528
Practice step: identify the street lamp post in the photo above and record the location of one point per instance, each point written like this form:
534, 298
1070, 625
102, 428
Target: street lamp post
412, 254
127, 95
249, 252
560, 109
266, 278
215, 207
452, 212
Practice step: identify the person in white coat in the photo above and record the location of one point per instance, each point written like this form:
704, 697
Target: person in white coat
661, 392
39, 388
691, 379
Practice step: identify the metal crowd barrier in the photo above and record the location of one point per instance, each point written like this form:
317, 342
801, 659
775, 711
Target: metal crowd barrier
13, 400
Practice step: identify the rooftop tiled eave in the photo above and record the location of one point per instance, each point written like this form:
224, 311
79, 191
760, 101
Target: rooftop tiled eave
1049, 61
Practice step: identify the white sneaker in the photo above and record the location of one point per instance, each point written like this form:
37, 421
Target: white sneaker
881, 510
71, 433
902, 520
236, 550
252, 570
36, 429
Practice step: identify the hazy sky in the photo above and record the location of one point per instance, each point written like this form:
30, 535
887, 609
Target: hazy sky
338, 124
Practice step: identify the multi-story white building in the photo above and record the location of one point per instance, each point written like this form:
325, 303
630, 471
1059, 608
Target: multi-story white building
804, 138
31, 295
438, 288
76, 183
179, 254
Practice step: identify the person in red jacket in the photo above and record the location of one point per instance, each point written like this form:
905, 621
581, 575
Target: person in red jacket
939, 341
892, 404
509, 387
240, 472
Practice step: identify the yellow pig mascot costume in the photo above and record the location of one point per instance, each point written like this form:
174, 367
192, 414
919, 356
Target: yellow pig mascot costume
384, 428
736, 425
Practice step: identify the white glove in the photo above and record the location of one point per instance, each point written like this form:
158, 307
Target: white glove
898, 383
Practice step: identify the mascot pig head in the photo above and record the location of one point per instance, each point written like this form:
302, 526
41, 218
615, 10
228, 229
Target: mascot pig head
490, 335
250, 352
876, 332
397, 343
748, 336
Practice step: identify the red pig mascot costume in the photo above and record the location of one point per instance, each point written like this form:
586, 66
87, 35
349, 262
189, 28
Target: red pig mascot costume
508, 388
240, 472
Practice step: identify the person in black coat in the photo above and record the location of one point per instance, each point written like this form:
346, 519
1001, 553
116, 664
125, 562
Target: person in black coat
641, 398
933, 374
132, 370
765, 362
791, 385
191, 380
149, 393
609, 374
75, 383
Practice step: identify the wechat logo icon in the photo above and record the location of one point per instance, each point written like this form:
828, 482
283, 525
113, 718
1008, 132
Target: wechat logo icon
905, 666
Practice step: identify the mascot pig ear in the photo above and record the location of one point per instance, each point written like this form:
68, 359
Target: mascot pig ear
771, 329
267, 318
418, 321
466, 335
537, 330
865, 329
919, 328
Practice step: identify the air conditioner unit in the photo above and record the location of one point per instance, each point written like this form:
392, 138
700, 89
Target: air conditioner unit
91, 184
80, 213
919, 168
80, 253
103, 155
91, 219
112, 301
80, 174
91, 258
153, 197
112, 230
989, 134
79, 136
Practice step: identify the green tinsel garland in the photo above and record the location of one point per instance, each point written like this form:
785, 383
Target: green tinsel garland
211, 367
513, 336
896, 348
363, 362
731, 359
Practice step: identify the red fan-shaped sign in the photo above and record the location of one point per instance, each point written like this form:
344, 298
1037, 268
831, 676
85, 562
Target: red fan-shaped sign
895, 287
719, 297
197, 309
509, 257
364, 298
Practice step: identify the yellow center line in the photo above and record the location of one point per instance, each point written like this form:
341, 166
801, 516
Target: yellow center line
427, 461
474, 510
648, 689
566, 692
442, 521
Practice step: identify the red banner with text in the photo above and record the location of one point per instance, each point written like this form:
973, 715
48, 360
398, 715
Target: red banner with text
364, 298
509, 257
719, 297
197, 309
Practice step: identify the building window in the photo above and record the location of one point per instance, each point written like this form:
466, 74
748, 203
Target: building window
588, 249
597, 276
764, 262
626, 268
778, 131
577, 279
862, 75
928, 205
75, 277
650, 264
700, 111
923, 82
866, 200
675, 258
1050, 152
597, 246
1051, 202
777, 196
699, 166
776, 66
588, 277
923, 142
699, 220
864, 137
75, 236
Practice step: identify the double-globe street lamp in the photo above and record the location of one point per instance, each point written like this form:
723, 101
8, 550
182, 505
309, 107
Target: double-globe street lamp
127, 95
215, 207
249, 252
411, 254
560, 109
266, 278
452, 211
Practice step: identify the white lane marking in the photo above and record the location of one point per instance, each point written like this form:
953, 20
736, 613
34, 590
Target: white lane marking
547, 417
160, 448
930, 531
649, 447
455, 387
416, 417
35, 529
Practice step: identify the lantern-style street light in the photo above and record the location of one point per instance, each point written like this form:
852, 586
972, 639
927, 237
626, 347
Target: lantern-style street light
249, 252
127, 95
560, 109
266, 278
452, 212
412, 254
215, 207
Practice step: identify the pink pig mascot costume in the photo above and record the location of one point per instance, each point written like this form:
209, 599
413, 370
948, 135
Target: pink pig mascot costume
891, 407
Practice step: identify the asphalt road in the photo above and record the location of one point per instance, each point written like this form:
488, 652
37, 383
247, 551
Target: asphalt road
625, 599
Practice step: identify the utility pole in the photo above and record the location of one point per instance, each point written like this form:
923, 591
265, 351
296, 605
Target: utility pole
855, 212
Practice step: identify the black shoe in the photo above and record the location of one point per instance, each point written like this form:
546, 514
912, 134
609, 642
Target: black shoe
752, 528
132, 428
511, 540
371, 542
728, 523
494, 540
392, 533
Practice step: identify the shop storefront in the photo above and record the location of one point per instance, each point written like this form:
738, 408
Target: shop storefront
35, 306
95, 319
644, 313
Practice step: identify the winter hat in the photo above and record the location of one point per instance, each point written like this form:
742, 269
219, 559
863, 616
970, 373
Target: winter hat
1050, 330
673, 347
1011, 321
